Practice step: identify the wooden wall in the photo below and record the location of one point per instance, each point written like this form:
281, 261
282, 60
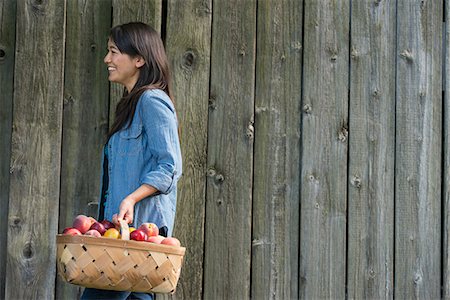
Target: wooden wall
314, 138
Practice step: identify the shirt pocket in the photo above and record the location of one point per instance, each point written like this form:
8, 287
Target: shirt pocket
131, 141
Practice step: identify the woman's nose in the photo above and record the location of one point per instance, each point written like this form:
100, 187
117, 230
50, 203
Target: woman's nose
106, 59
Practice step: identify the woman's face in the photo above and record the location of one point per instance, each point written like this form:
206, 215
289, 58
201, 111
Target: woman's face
122, 68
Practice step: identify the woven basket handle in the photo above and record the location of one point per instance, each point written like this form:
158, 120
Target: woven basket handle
124, 230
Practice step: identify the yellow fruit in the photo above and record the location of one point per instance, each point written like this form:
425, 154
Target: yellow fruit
112, 233
132, 229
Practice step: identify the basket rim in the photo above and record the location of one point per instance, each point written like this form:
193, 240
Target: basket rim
104, 241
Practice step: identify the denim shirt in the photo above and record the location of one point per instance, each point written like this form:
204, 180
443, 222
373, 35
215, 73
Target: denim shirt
146, 152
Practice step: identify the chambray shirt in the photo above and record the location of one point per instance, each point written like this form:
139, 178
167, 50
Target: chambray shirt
146, 152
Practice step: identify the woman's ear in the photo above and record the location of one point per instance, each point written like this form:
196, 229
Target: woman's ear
139, 61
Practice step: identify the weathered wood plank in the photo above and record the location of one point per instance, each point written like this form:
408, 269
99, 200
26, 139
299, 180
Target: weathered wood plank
35, 150
188, 48
124, 11
418, 150
85, 114
7, 48
446, 161
277, 151
372, 151
230, 151
324, 155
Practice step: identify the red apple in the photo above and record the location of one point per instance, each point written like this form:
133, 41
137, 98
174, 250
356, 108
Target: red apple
108, 224
155, 239
93, 232
82, 223
171, 241
150, 229
71, 231
99, 227
138, 235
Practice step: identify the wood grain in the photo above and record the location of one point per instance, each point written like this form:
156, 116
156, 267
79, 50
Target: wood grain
7, 49
276, 201
230, 151
188, 48
418, 150
372, 151
324, 150
35, 150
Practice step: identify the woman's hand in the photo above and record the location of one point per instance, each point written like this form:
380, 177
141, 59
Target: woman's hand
126, 211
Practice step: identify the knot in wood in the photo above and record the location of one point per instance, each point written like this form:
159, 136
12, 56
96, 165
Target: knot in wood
354, 53
250, 130
2, 54
307, 108
212, 103
356, 181
417, 279
211, 172
28, 251
15, 222
219, 178
188, 59
406, 54
343, 134
93, 47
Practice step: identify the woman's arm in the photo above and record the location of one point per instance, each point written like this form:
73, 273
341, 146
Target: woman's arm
126, 208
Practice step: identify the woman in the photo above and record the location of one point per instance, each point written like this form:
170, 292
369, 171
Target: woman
142, 157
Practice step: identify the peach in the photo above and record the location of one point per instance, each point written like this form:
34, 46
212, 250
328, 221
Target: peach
82, 223
150, 229
93, 232
155, 239
71, 231
171, 241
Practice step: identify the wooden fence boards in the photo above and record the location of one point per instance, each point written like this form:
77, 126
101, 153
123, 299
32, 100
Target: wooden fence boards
324, 157
230, 151
188, 48
418, 150
85, 116
275, 215
35, 150
262, 207
124, 11
372, 151
7, 49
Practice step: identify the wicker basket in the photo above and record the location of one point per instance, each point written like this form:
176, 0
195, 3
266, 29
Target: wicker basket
121, 265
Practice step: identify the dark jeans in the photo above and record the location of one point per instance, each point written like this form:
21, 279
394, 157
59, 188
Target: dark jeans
114, 295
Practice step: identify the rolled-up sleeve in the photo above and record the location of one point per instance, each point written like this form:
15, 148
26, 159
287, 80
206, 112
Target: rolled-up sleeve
160, 124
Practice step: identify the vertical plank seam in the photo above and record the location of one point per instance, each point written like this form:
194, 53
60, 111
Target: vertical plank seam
443, 157
395, 153
348, 147
302, 69
205, 224
255, 60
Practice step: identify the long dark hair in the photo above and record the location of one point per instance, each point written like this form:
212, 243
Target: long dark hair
139, 39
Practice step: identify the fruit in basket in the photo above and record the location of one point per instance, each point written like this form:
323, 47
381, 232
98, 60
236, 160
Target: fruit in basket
93, 232
138, 235
99, 227
82, 223
71, 231
155, 239
108, 224
112, 233
131, 229
171, 241
150, 229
